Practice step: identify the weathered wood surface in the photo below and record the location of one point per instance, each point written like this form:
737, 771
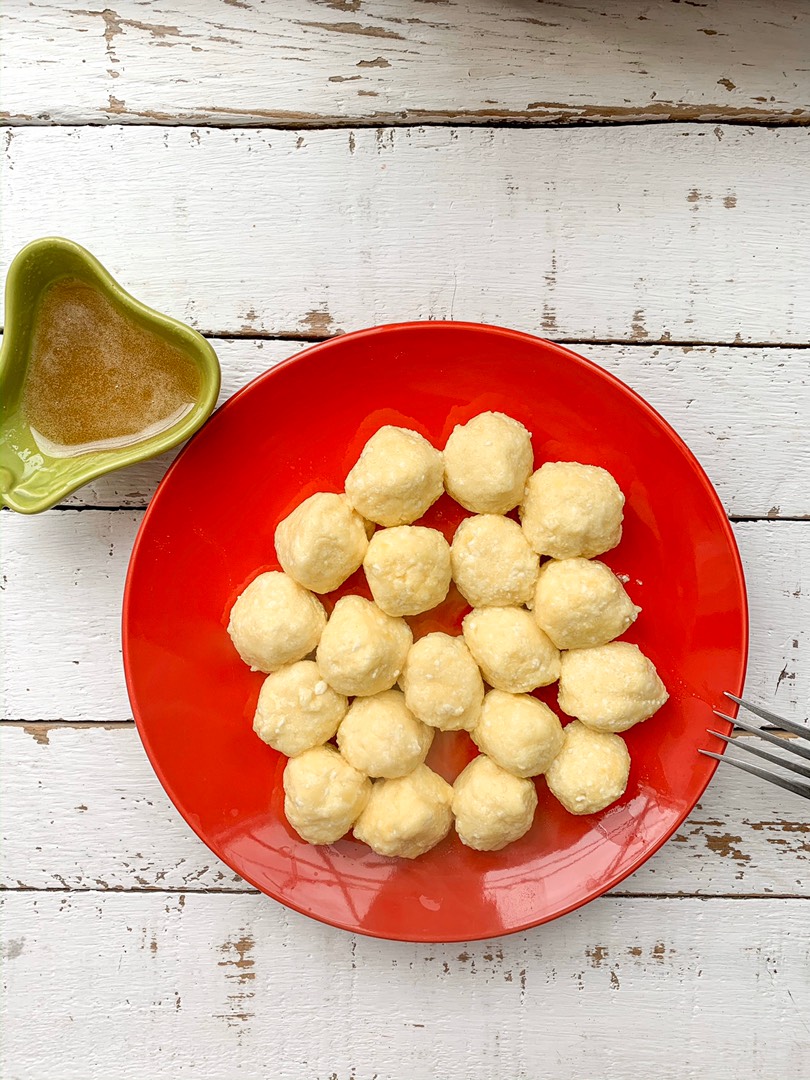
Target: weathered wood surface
82, 809
315, 62
215, 987
128, 950
750, 433
63, 575
680, 233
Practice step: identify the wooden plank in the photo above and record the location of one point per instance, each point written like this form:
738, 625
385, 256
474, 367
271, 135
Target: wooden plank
680, 233
60, 626
216, 986
63, 573
742, 411
86, 811
398, 61
82, 809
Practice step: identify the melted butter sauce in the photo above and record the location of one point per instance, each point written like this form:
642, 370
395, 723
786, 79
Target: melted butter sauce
96, 380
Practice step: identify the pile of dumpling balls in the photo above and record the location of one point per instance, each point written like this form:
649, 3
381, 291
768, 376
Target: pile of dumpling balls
381, 696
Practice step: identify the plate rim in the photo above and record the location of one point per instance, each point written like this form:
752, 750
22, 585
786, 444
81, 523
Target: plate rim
443, 326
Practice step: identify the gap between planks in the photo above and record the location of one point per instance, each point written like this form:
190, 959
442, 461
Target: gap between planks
248, 890
731, 517
625, 343
305, 122
632, 343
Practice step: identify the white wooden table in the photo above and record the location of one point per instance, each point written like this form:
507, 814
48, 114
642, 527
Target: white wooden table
630, 177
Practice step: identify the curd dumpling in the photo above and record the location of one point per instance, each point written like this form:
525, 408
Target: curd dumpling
493, 565
322, 542
442, 684
518, 732
570, 510
362, 650
611, 687
275, 622
380, 736
491, 806
580, 603
407, 816
323, 795
487, 462
397, 477
591, 770
408, 569
510, 648
297, 710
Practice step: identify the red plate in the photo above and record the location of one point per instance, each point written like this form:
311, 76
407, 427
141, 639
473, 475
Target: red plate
298, 429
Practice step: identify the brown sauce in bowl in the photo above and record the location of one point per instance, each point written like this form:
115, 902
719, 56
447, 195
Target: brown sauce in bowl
97, 380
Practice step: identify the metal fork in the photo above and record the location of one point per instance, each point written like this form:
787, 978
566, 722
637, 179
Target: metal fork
802, 730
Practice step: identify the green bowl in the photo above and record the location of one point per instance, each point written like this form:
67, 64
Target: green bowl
30, 480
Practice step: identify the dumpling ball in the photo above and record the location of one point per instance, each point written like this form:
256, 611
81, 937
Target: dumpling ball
610, 687
487, 462
580, 603
275, 622
519, 733
408, 816
408, 569
380, 736
323, 795
396, 478
493, 565
591, 770
491, 806
362, 650
571, 509
442, 683
297, 710
510, 648
322, 542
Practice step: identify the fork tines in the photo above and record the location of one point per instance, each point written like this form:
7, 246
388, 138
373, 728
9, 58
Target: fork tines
802, 730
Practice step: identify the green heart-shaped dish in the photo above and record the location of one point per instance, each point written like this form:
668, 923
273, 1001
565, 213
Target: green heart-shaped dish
48, 386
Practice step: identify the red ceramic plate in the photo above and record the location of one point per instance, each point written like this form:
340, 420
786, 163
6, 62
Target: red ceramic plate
298, 429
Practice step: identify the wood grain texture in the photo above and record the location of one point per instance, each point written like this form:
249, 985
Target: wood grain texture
681, 233
82, 809
399, 61
214, 987
63, 574
127, 949
749, 432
